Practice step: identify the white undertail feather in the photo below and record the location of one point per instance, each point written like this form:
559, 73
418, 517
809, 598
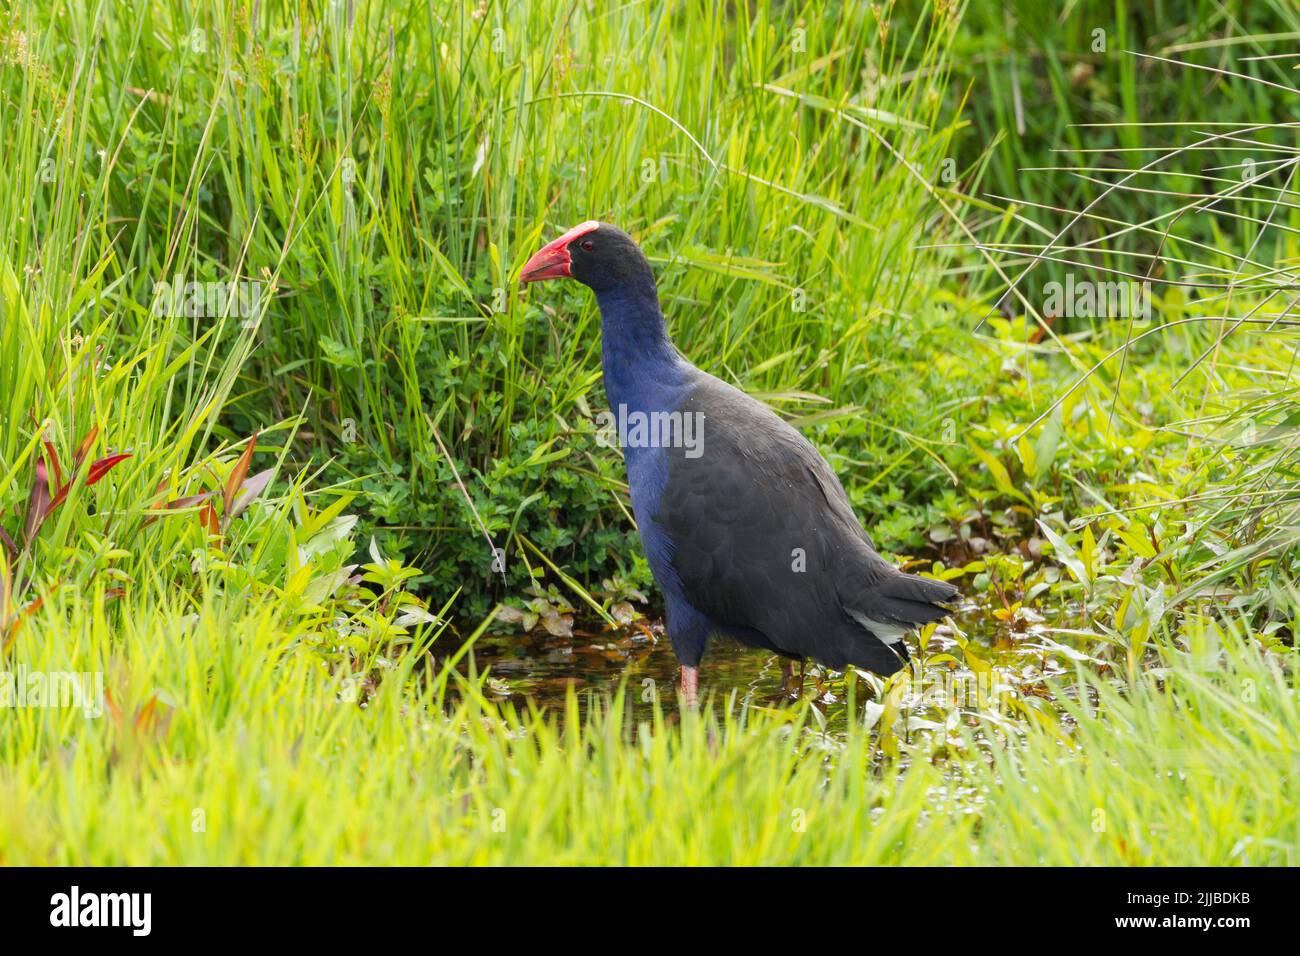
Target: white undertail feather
888, 633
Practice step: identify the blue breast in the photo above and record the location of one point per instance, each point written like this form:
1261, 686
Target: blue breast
643, 375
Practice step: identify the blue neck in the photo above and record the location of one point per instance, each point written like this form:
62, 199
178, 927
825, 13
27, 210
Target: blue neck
642, 369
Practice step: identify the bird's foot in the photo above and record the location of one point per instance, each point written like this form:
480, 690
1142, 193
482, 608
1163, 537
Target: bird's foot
689, 685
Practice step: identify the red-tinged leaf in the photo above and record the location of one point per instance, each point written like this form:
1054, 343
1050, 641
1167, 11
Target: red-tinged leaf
146, 716
58, 499
208, 520
236, 479
8, 542
54, 460
253, 488
84, 448
177, 503
100, 468
38, 503
16, 624
188, 500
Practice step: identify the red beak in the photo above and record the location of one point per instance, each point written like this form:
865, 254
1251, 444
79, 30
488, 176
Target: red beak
552, 261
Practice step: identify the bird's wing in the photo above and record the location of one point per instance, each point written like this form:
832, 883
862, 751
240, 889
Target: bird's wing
763, 536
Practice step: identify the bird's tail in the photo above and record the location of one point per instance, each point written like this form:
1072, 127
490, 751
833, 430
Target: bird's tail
892, 604
907, 600
880, 604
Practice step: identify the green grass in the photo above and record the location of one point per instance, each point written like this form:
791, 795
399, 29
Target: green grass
1093, 83
284, 672
389, 176
249, 756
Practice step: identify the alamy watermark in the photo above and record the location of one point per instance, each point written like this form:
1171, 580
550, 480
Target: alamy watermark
974, 690
133, 911
193, 299
636, 429
55, 689
1085, 299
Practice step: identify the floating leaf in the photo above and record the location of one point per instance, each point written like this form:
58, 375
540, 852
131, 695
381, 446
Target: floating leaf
556, 624
511, 615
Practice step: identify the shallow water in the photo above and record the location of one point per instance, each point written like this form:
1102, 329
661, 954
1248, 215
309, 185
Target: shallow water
542, 666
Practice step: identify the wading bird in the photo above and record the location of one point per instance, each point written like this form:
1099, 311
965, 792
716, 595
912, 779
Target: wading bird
746, 529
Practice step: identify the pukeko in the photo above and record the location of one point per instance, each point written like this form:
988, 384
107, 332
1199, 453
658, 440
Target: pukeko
745, 527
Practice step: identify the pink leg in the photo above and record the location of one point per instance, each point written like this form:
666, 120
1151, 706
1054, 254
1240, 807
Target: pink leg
689, 685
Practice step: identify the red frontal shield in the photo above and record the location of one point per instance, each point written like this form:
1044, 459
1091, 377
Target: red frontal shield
552, 261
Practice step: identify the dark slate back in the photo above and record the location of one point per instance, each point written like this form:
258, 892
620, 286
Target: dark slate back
763, 537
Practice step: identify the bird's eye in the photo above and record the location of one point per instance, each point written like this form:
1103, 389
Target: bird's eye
588, 245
